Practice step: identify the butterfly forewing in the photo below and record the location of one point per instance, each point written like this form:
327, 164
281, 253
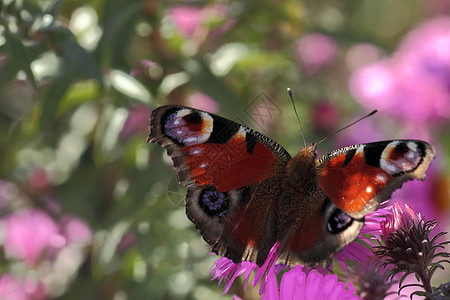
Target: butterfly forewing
359, 177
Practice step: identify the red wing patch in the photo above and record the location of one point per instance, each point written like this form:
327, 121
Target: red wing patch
209, 150
351, 186
229, 166
306, 234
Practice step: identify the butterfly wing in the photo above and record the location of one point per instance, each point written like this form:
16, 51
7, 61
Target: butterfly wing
233, 174
358, 178
346, 185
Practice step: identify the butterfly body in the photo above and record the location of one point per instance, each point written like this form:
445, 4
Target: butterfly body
245, 192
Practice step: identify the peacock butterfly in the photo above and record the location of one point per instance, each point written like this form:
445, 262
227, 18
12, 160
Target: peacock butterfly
245, 192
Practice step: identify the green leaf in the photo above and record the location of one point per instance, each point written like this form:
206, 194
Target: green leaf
19, 54
80, 60
54, 93
9, 70
118, 26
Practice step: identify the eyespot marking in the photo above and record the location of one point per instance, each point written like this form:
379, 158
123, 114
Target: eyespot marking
399, 157
213, 202
188, 127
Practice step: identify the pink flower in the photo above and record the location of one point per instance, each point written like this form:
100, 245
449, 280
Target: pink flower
203, 102
315, 51
28, 233
76, 230
401, 217
300, 283
408, 247
297, 283
12, 289
226, 270
414, 84
186, 18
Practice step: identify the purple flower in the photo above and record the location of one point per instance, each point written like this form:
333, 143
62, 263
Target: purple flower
304, 283
28, 233
414, 84
407, 246
226, 270
400, 217
315, 51
297, 283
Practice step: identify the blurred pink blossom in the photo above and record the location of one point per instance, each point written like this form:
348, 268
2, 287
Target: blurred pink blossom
136, 122
30, 232
325, 116
39, 179
315, 51
76, 230
204, 102
188, 19
306, 283
414, 84
12, 289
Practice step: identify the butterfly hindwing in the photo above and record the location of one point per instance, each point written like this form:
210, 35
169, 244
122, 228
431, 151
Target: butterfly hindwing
233, 174
359, 177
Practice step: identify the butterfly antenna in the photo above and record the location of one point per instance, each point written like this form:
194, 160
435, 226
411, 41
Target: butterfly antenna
295, 110
351, 124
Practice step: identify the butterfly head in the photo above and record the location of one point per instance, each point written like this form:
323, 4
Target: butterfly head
309, 151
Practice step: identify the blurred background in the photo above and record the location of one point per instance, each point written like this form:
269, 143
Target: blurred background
90, 211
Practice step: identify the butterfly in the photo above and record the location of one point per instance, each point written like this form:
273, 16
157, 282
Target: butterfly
245, 192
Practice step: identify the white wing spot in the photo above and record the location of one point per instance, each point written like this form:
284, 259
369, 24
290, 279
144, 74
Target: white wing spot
410, 155
385, 162
412, 146
369, 189
381, 178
